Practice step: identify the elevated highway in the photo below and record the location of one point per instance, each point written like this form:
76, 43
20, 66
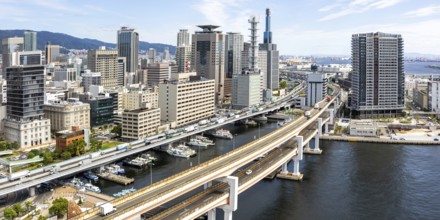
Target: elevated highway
133, 205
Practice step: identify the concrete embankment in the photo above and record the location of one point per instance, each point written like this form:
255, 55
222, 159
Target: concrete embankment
377, 140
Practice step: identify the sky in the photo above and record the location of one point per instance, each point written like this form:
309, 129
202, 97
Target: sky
299, 27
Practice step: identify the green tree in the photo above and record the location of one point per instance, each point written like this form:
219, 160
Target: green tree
9, 213
42, 217
283, 84
59, 207
28, 205
77, 147
117, 130
66, 155
95, 145
35, 152
17, 208
47, 157
30, 155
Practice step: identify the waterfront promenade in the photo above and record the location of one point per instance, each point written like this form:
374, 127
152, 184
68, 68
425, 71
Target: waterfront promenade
377, 140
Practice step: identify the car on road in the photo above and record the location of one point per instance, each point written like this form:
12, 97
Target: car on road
435, 139
248, 172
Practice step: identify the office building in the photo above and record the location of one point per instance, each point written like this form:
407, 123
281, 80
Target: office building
151, 56
434, 96
101, 109
66, 114
234, 50
269, 58
245, 55
378, 76
316, 88
158, 72
9, 46
140, 123
89, 78
30, 41
142, 98
25, 106
26, 58
3, 91
246, 90
166, 54
122, 80
183, 59
186, 98
52, 53
208, 53
105, 62
65, 74
128, 47
183, 38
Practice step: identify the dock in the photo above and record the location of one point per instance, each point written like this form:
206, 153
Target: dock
123, 180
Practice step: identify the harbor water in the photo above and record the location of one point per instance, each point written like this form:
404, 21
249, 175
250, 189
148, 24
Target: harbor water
348, 181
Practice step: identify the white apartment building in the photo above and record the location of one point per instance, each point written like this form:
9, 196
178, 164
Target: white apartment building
186, 98
141, 99
316, 88
139, 123
64, 115
434, 96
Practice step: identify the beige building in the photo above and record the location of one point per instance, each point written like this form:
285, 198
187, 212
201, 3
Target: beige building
186, 98
106, 62
140, 123
158, 72
183, 59
27, 133
64, 115
146, 98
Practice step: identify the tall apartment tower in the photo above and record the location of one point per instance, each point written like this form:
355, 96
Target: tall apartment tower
25, 106
151, 56
52, 53
166, 54
234, 50
30, 41
208, 52
9, 46
121, 71
183, 38
105, 62
269, 58
128, 47
378, 75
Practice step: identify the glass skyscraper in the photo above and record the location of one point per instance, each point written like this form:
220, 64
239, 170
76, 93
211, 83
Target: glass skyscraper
128, 47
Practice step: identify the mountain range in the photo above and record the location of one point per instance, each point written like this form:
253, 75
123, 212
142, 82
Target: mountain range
71, 42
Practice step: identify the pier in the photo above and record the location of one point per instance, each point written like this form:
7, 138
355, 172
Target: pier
123, 180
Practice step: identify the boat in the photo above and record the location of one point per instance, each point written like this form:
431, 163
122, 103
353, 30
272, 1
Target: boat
222, 133
181, 151
205, 139
197, 143
115, 169
260, 118
138, 161
92, 188
124, 192
148, 157
91, 176
250, 123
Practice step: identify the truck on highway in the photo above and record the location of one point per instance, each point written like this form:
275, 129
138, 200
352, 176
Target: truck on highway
19, 174
316, 106
220, 120
307, 114
189, 128
106, 209
122, 147
94, 155
203, 122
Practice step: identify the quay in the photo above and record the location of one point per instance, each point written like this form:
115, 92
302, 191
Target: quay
123, 180
278, 116
377, 140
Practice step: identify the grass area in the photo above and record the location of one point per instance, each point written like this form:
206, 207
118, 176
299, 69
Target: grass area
405, 120
110, 144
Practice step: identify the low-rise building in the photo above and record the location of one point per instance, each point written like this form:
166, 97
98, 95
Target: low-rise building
66, 137
66, 114
186, 98
363, 128
28, 133
246, 90
139, 123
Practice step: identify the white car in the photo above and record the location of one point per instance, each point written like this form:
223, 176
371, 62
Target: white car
248, 172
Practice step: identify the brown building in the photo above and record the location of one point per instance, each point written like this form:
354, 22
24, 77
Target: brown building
66, 137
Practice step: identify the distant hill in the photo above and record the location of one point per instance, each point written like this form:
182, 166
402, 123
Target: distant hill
70, 42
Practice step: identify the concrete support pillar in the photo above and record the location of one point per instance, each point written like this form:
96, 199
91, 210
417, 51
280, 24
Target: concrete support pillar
320, 126
227, 214
284, 168
317, 141
233, 196
296, 166
300, 142
32, 191
207, 185
211, 214
326, 128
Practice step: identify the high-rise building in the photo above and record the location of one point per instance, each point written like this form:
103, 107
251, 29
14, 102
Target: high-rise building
121, 71
67, 74
158, 72
378, 74
269, 58
316, 88
234, 50
105, 62
30, 41
245, 55
166, 54
52, 53
90, 78
9, 46
128, 47
208, 52
183, 59
183, 38
25, 106
186, 98
151, 56
27, 58
140, 123
101, 109
434, 96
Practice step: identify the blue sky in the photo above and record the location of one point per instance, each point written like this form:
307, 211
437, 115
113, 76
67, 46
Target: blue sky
299, 27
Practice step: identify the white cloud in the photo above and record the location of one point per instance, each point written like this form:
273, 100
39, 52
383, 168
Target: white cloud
355, 7
423, 12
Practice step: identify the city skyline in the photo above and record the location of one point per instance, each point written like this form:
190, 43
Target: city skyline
299, 28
